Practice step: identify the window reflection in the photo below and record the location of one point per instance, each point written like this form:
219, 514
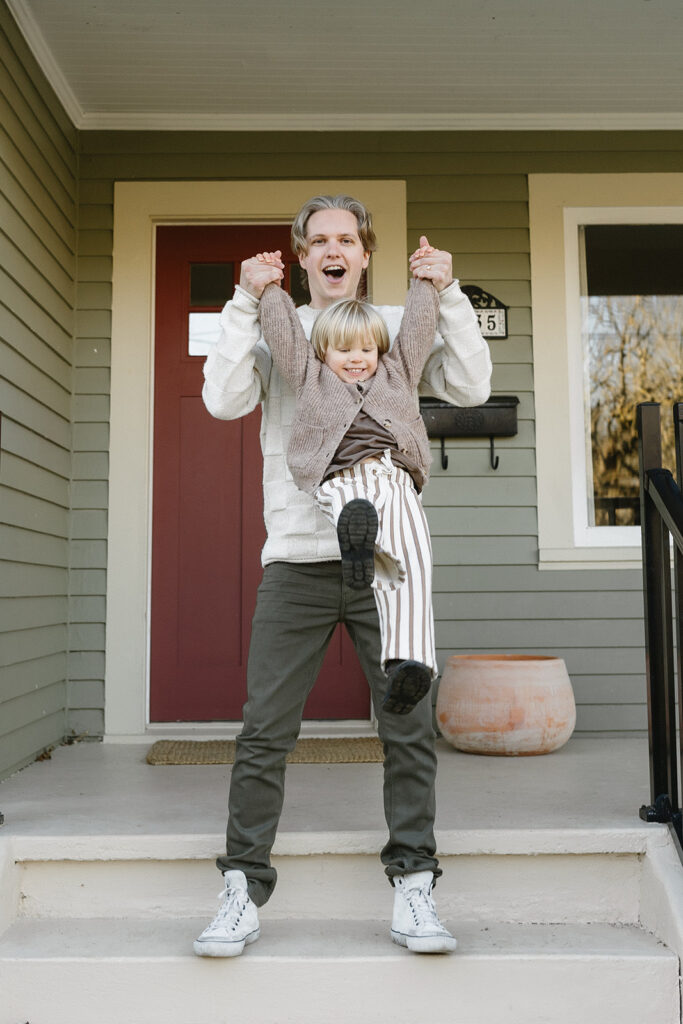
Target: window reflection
632, 325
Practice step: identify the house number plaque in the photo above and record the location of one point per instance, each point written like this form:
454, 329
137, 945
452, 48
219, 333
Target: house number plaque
490, 311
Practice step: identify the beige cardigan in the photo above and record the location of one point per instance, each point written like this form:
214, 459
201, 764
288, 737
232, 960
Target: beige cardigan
240, 373
326, 407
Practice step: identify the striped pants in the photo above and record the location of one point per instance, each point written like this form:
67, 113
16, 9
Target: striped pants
403, 554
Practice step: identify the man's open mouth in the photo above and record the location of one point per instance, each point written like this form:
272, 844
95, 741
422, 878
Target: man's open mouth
335, 272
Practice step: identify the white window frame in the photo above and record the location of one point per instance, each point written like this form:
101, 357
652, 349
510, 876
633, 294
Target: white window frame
558, 205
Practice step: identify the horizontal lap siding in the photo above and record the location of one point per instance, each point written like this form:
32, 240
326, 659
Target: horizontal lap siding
468, 191
38, 204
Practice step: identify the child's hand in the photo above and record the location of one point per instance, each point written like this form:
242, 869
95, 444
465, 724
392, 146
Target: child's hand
261, 270
433, 264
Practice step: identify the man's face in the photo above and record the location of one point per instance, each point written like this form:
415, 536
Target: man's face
335, 258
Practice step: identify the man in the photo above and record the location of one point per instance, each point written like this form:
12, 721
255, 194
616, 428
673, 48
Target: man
302, 597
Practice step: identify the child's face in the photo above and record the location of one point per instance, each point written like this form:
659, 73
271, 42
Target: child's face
355, 362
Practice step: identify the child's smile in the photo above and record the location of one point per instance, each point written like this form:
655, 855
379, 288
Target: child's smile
353, 363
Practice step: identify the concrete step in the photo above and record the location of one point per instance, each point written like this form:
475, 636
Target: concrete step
563, 878
76, 971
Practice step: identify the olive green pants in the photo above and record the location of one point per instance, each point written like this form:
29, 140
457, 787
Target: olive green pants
297, 610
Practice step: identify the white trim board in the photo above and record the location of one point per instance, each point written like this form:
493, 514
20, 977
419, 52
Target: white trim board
558, 204
138, 208
368, 122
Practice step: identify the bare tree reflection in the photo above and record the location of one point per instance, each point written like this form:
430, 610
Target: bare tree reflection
634, 353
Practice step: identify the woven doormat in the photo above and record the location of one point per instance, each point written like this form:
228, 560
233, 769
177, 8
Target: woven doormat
339, 750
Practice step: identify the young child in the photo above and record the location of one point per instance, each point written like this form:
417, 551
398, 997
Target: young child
359, 446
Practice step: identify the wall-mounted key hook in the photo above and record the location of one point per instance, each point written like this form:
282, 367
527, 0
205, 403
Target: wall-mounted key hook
495, 459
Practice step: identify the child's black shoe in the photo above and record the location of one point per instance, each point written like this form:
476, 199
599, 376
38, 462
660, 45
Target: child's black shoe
409, 681
357, 532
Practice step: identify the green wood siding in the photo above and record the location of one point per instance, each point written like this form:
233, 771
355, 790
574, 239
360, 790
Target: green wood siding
38, 206
468, 191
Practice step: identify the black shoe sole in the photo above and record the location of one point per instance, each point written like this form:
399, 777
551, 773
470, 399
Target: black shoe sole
409, 682
357, 532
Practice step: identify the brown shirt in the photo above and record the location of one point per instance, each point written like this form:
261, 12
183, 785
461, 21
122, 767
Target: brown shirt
366, 438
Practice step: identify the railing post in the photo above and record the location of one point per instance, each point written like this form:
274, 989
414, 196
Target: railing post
658, 626
678, 575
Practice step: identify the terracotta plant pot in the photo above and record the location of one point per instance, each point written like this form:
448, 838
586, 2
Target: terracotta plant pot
506, 704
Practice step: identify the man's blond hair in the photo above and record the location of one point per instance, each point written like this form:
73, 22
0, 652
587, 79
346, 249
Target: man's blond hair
341, 202
347, 322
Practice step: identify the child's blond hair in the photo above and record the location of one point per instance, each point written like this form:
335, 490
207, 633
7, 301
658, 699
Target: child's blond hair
346, 322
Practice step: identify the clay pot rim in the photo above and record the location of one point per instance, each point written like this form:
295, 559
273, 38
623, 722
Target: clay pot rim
503, 657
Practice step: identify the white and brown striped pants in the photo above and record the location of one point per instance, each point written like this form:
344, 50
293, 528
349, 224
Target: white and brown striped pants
403, 554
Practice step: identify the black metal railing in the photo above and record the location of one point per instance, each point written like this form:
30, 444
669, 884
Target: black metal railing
661, 517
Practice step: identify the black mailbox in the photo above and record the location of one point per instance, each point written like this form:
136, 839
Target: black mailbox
495, 418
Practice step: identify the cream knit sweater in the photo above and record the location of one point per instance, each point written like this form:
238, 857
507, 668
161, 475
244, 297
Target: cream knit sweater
240, 373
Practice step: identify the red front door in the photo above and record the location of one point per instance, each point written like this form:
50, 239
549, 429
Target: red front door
208, 505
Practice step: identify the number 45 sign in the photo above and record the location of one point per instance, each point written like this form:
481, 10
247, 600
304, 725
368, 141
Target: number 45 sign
491, 313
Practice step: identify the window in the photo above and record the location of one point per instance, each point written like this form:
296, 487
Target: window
632, 339
607, 299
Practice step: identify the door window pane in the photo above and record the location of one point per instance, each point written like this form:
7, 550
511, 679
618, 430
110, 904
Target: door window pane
211, 284
632, 326
204, 332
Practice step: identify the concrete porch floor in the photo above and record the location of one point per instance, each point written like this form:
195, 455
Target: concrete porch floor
94, 789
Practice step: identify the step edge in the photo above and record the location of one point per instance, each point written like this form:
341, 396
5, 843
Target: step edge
174, 846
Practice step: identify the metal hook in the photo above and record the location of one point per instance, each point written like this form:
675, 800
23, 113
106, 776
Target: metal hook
495, 459
444, 457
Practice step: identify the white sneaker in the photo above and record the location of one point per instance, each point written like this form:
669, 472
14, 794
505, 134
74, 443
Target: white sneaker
415, 923
236, 923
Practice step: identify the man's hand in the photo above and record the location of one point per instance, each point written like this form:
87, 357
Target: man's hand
261, 270
433, 264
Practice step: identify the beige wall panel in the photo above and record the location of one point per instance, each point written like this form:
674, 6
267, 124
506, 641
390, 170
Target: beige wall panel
60, 241
37, 294
33, 381
34, 318
28, 644
473, 202
86, 693
38, 735
14, 335
597, 718
90, 465
27, 444
19, 580
55, 138
18, 59
89, 583
33, 674
85, 723
28, 478
28, 253
24, 510
44, 169
457, 551
467, 188
468, 214
30, 612
503, 579
25, 545
485, 490
86, 608
518, 607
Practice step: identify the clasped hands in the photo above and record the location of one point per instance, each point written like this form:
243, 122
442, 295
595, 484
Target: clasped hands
435, 265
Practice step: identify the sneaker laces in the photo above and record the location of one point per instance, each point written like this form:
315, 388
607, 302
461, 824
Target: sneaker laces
231, 909
422, 907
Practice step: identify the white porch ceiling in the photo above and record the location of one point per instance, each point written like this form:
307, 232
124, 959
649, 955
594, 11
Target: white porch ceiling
388, 64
